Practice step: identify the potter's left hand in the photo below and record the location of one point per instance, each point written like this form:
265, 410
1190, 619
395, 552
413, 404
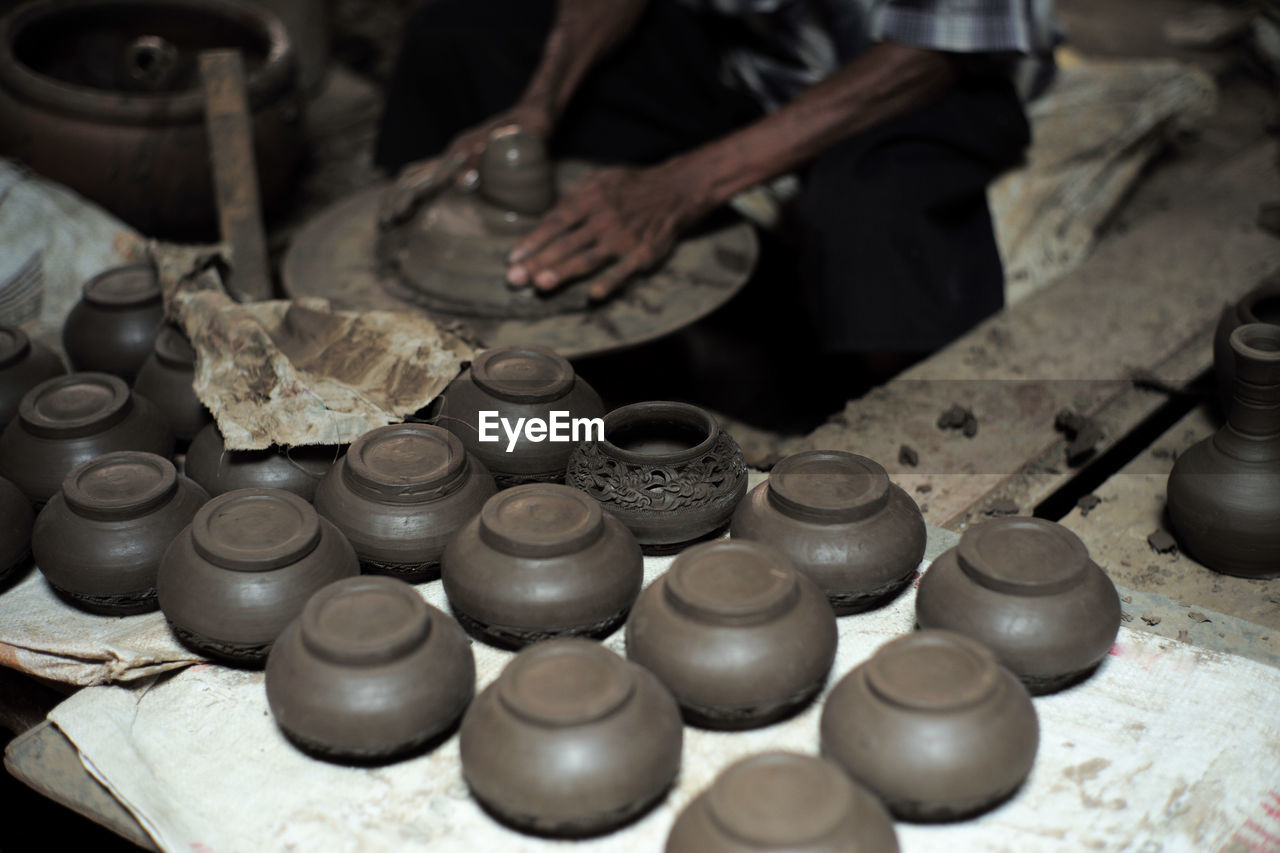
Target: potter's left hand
615, 222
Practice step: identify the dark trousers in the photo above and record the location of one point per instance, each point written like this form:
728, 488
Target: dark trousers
896, 245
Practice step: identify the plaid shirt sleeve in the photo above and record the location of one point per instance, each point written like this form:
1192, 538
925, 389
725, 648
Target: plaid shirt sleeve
959, 26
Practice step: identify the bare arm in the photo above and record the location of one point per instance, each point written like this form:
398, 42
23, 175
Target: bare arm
630, 218
583, 32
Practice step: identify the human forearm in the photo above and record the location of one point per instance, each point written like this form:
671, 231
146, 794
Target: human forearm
887, 81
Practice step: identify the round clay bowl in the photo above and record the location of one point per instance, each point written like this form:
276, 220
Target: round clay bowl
736, 633
113, 327
783, 802
16, 521
699, 466
933, 725
66, 421
369, 671
99, 541
165, 379
517, 382
24, 364
244, 568
856, 535
570, 740
1025, 588
400, 494
218, 470
542, 560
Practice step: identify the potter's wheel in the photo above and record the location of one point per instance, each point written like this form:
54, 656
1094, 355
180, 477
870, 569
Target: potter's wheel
340, 255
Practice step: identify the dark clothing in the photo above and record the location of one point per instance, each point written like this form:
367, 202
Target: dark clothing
897, 250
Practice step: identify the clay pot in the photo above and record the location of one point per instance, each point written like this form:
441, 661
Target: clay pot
570, 740
783, 801
400, 494
218, 470
1260, 305
369, 671
24, 364
933, 725
856, 535
16, 520
104, 96
71, 419
1224, 493
518, 382
539, 561
100, 539
113, 327
515, 173
665, 470
1025, 588
166, 379
736, 633
243, 569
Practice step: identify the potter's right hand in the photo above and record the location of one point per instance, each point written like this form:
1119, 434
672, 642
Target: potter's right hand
420, 181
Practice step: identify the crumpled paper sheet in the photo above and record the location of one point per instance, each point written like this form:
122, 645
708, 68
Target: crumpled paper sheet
42, 635
1094, 130
296, 372
1166, 748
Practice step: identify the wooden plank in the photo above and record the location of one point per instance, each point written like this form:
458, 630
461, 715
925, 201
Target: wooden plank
44, 760
1195, 604
1141, 305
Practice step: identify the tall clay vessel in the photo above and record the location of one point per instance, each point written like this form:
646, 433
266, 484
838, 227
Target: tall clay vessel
1224, 493
1260, 305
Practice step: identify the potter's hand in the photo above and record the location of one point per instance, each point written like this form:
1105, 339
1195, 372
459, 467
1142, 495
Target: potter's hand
420, 181
619, 220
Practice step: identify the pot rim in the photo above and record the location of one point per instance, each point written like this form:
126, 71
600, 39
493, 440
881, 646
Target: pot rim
659, 410
276, 75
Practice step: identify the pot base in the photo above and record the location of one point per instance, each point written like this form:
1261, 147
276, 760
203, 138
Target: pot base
507, 481
517, 638
917, 812
748, 718
413, 573
367, 757
1039, 685
128, 604
847, 603
667, 549
232, 653
586, 828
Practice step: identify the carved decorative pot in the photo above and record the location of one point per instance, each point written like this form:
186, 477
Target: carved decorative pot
113, 327
1027, 589
24, 364
369, 671
517, 383
783, 801
856, 535
105, 97
165, 379
539, 561
666, 470
571, 740
1224, 493
933, 725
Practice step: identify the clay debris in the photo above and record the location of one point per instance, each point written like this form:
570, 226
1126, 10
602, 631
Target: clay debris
1082, 432
958, 417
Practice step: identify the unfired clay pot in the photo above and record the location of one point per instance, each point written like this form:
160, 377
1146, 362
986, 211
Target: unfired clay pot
1224, 493
16, 520
518, 382
666, 470
933, 725
515, 172
542, 560
218, 470
113, 327
1025, 588
400, 494
783, 802
71, 419
1260, 305
165, 379
736, 633
24, 364
99, 541
856, 535
105, 97
244, 568
369, 671
571, 740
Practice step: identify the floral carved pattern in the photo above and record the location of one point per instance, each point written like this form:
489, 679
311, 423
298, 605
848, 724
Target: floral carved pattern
714, 476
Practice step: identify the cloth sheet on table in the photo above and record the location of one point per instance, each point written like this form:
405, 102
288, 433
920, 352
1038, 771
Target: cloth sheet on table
1167, 747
